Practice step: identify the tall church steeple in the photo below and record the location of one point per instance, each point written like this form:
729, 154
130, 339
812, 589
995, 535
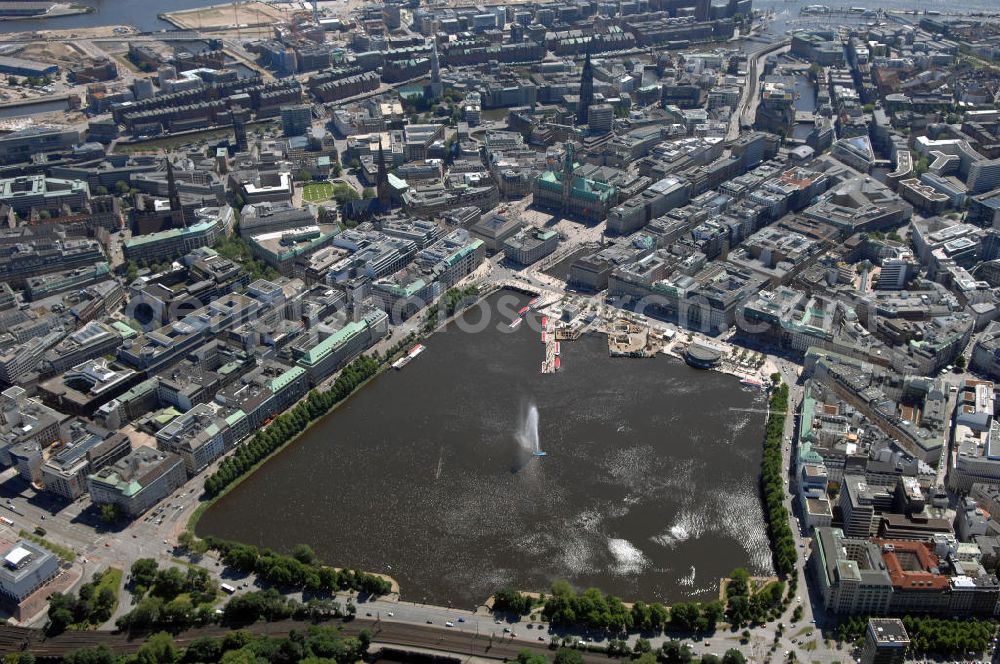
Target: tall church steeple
382, 181
176, 209
436, 87
586, 91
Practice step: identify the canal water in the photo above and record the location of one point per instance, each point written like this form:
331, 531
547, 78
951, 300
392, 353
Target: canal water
648, 489
24, 110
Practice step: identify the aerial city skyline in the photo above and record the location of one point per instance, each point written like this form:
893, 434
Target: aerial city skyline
549, 331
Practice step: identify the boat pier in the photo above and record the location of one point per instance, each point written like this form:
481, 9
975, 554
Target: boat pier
552, 362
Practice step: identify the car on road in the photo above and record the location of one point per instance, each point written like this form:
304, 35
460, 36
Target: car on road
461, 620
390, 614
430, 622
449, 624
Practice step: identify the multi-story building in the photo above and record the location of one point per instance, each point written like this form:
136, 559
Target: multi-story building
886, 642
335, 348
296, 119
572, 194
975, 436
27, 566
530, 246
20, 146
137, 481
162, 347
494, 229
65, 473
24, 419
27, 193
210, 225
848, 574
202, 435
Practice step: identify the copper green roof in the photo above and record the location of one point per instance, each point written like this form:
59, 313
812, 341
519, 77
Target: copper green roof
463, 252
319, 352
286, 378
582, 187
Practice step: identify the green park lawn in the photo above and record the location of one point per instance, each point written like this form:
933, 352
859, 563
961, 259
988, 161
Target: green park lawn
317, 191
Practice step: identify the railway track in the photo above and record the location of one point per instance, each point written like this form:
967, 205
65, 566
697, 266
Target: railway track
444, 639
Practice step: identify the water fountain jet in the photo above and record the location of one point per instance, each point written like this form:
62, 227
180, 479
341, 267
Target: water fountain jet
528, 434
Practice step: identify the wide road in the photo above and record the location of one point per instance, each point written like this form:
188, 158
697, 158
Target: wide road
748, 96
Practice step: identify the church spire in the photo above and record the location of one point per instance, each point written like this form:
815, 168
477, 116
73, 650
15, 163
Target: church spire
382, 180
436, 87
586, 91
176, 209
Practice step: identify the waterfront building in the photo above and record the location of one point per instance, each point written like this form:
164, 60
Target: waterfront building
530, 246
202, 435
332, 349
452, 258
138, 481
848, 574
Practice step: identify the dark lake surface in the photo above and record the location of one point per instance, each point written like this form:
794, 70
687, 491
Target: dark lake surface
649, 489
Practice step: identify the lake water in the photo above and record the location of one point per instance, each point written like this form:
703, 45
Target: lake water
649, 489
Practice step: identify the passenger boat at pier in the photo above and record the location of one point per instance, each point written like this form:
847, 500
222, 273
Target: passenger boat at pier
416, 350
515, 323
522, 311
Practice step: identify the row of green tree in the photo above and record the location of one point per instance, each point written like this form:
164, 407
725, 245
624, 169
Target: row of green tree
939, 636
146, 576
593, 609
236, 249
746, 604
672, 652
508, 600
772, 484
170, 597
452, 300
313, 645
299, 570
289, 424
95, 603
